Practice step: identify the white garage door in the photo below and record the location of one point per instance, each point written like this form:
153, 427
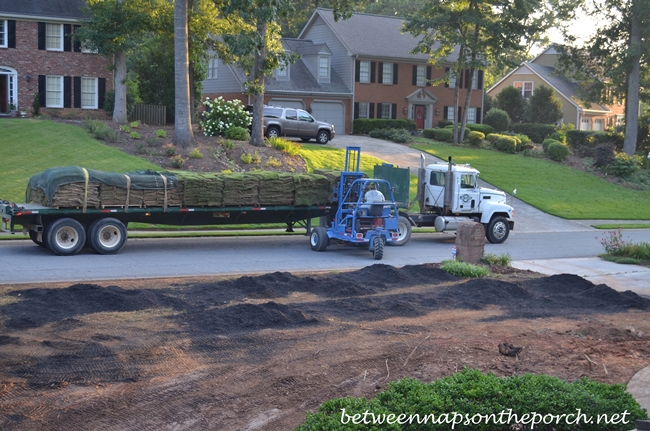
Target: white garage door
297, 104
330, 112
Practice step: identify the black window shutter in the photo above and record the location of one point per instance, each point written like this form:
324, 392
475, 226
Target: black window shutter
460, 79
41, 37
77, 42
372, 72
468, 79
67, 91
479, 119
445, 112
101, 92
357, 71
371, 110
446, 76
415, 74
428, 76
460, 114
480, 80
356, 109
395, 73
393, 111
11, 36
380, 73
77, 91
67, 37
41, 90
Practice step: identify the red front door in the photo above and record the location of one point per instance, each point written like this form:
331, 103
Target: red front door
419, 116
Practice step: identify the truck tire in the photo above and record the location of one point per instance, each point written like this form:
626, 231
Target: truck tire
107, 235
323, 137
65, 237
272, 132
404, 228
378, 248
34, 237
497, 230
318, 239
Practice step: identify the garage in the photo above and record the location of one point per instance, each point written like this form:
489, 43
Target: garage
287, 103
330, 112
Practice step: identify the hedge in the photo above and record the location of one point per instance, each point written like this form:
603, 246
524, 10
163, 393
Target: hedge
486, 129
363, 126
444, 135
583, 142
549, 141
506, 144
557, 151
536, 132
401, 136
476, 138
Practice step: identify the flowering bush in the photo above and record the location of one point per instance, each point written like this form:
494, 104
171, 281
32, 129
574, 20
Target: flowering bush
612, 241
223, 114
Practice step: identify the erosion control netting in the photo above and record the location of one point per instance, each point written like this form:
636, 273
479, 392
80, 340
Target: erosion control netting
76, 187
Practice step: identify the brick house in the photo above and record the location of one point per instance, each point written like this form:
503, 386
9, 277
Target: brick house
355, 68
38, 55
541, 71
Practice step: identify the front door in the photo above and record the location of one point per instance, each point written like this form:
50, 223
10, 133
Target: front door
419, 116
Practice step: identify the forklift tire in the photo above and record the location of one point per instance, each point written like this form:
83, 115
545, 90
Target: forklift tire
404, 228
65, 237
497, 230
378, 248
107, 235
318, 239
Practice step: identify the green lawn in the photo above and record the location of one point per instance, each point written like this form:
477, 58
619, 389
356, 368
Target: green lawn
29, 146
552, 187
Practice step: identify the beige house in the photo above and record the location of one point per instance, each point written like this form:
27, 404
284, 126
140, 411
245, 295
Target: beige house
540, 71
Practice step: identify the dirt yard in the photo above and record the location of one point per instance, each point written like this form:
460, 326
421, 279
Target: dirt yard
256, 353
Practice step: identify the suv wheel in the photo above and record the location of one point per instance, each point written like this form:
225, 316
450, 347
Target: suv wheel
323, 137
272, 132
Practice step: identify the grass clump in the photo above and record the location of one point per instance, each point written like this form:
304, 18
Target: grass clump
169, 150
196, 154
135, 124
463, 269
135, 135
272, 162
248, 158
124, 128
285, 146
151, 141
493, 259
100, 131
161, 133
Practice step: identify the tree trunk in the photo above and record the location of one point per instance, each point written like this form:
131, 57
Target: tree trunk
257, 89
183, 136
468, 98
456, 93
632, 99
119, 110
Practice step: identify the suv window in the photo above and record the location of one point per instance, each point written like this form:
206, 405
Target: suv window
304, 116
273, 112
291, 114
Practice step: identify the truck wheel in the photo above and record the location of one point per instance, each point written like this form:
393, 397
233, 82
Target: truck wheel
34, 237
272, 132
318, 239
404, 228
65, 236
378, 248
497, 230
107, 235
323, 137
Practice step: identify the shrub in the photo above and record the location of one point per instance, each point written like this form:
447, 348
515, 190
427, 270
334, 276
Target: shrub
237, 133
124, 128
558, 152
36, 105
524, 140
444, 123
498, 119
603, 155
151, 141
513, 102
493, 259
246, 158
161, 133
533, 152
536, 132
135, 124
99, 130
363, 126
135, 135
463, 269
444, 135
222, 115
196, 154
559, 135
471, 392
272, 162
506, 144
256, 158
228, 144
285, 146
486, 129
584, 142
169, 150
177, 162
547, 142
401, 136
141, 149
476, 138
612, 241
624, 165
544, 106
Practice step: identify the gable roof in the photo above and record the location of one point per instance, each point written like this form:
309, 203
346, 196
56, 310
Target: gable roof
371, 35
65, 10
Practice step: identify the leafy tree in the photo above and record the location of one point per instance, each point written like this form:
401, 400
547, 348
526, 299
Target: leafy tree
512, 101
544, 106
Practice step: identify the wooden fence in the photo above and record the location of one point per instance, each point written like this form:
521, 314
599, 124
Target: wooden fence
153, 115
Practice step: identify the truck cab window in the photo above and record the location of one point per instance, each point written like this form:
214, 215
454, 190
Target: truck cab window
437, 179
467, 182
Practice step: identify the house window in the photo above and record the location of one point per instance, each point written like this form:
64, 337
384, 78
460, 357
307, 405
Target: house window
54, 91
450, 113
452, 80
421, 76
387, 73
363, 109
88, 93
585, 124
3, 34
364, 71
471, 115
526, 88
213, 68
385, 110
54, 37
323, 68
475, 80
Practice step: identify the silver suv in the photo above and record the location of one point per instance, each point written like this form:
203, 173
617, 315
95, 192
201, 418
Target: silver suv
295, 123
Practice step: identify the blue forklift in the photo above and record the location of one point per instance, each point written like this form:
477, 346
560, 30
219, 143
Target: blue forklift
363, 216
